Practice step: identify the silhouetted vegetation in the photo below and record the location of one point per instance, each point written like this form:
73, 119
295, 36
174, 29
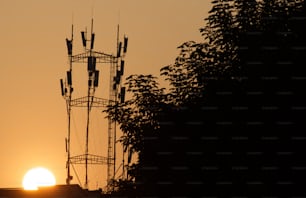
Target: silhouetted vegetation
245, 42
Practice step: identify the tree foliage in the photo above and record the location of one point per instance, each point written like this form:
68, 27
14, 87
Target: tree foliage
218, 57
137, 115
199, 63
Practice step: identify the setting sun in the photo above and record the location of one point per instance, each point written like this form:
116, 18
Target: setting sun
38, 177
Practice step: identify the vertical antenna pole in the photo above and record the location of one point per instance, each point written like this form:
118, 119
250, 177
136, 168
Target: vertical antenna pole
90, 97
116, 109
91, 26
87, 137
69, 177
117, 37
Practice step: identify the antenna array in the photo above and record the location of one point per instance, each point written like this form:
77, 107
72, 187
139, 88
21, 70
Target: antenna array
116, 95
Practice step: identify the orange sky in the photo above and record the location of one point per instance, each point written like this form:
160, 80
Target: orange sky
34, 57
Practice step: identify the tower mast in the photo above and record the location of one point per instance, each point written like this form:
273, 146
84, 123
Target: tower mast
92, 57
67, 92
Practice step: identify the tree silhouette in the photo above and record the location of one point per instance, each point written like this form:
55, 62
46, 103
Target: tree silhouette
250, 48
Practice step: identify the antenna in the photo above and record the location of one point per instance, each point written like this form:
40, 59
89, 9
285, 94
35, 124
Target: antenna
69, 46
69, 78
83, 38
92, 36
96, 81
117, 39
122, 94
119, 44
122, 67
92, 41
119, 49
125, 44
69, 42
62, 87
72, 29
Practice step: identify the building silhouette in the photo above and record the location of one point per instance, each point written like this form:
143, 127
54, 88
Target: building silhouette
63, 191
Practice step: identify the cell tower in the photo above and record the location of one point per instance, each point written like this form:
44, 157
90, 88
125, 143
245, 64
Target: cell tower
116, 95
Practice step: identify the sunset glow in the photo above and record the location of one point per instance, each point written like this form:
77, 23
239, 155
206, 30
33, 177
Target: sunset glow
38, 177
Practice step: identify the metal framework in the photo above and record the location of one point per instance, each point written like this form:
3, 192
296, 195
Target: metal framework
89, 101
